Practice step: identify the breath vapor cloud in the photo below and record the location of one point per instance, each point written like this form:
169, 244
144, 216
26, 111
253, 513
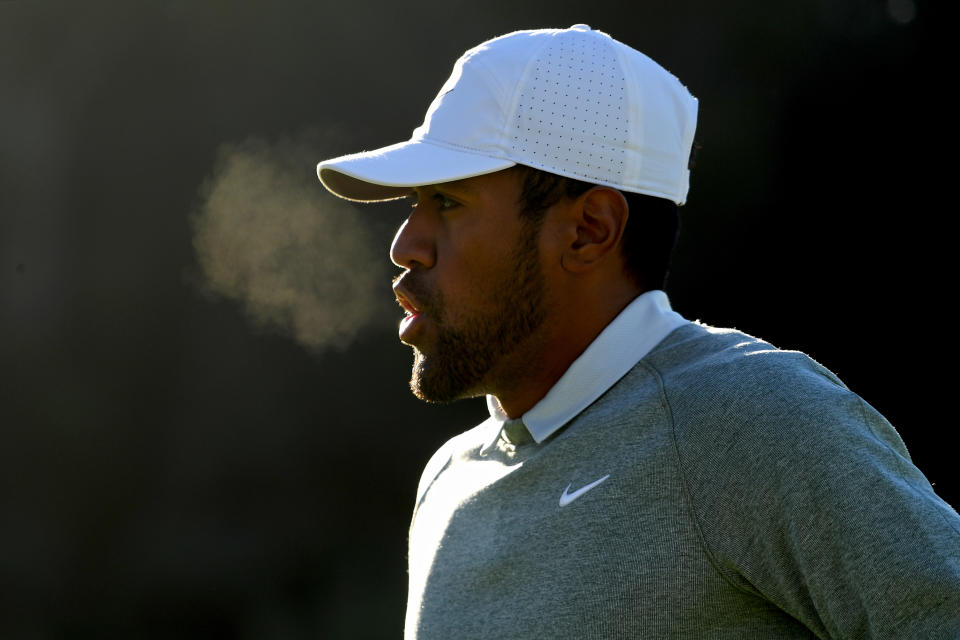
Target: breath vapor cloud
301, 261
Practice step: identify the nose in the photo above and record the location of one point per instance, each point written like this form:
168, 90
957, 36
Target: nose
413, 246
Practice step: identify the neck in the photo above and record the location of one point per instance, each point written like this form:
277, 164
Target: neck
528, 373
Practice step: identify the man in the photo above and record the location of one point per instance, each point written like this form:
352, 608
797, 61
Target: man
640, 476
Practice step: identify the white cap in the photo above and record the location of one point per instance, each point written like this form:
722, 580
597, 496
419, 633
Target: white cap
574, 102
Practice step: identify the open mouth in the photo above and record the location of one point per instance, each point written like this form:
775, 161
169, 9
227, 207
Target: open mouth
408, 306
413, 315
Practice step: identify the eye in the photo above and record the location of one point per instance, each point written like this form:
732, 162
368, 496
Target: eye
443, 202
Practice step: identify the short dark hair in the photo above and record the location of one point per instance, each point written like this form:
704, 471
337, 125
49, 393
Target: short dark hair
648, 238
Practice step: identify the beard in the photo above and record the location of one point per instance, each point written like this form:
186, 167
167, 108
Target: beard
464, 355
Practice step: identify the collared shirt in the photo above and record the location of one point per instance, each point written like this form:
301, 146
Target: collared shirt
629, 337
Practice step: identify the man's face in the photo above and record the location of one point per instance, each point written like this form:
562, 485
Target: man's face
472, 286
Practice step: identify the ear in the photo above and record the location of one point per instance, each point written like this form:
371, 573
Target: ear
600, 216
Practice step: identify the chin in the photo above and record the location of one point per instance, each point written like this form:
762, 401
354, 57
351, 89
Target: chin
437, 381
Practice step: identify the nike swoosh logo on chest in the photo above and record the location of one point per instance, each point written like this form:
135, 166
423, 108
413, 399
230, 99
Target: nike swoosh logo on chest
567, 497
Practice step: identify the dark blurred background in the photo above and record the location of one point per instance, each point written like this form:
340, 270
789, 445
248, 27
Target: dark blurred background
206, 429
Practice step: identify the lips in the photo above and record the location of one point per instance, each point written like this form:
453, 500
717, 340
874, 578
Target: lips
414, 310
408, 305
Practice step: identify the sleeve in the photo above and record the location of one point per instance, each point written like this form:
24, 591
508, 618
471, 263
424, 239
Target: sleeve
806, 496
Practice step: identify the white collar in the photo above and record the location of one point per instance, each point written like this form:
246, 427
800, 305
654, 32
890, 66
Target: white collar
628, 338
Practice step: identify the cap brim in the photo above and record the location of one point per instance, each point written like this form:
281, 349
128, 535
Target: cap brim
390, 172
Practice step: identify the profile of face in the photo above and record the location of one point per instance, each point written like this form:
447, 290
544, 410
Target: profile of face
472, 285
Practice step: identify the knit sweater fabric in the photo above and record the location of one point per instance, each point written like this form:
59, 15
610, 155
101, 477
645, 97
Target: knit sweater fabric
721, 489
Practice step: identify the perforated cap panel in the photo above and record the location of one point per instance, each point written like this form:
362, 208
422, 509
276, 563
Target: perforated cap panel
570, 115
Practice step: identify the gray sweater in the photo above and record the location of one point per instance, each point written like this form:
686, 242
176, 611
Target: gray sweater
721, 489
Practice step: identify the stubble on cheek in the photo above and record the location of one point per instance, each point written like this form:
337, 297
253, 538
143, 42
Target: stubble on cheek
464, 352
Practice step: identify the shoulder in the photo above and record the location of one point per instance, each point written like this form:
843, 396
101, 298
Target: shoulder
764, 435
789, 473
705, 357
720, 390
722, 382
733, 393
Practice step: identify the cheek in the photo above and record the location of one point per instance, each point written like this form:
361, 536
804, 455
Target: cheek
473, 286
